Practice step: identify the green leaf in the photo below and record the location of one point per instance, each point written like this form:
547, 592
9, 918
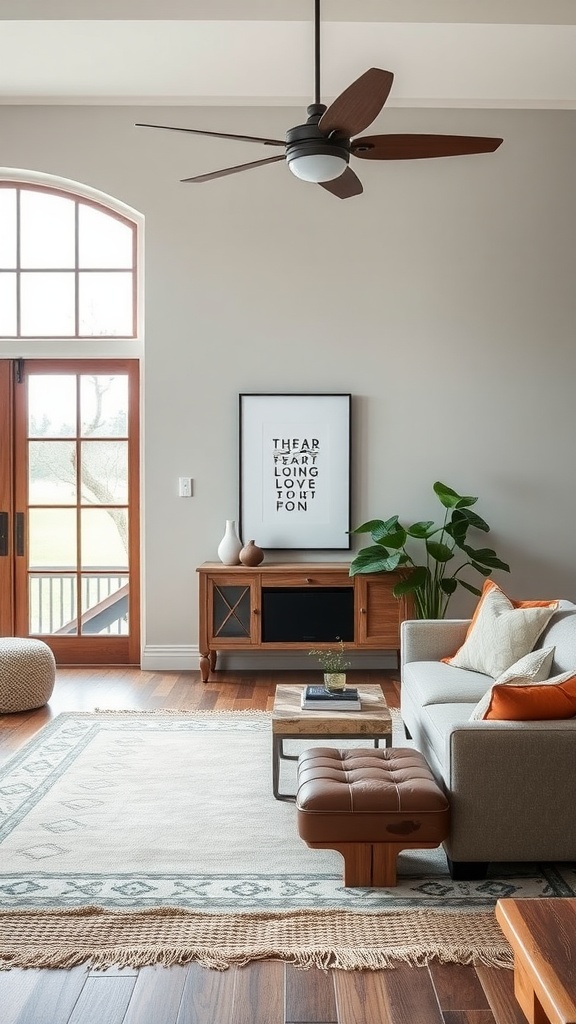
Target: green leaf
468, 586
374, 559
368, 527
439, 552
472, 518
448, 586
413, 582
486, 556
421, 530
393, 539
457, 529
482, 569
450, 498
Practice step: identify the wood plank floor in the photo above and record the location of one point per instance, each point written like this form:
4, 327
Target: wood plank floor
261, 993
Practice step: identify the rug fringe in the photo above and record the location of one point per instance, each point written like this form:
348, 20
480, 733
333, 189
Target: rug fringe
221, 960
196, 712
326, 939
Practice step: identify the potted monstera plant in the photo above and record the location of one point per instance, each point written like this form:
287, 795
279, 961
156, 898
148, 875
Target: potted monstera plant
432, 556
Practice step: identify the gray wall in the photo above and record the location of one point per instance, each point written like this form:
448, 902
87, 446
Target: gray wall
443, 298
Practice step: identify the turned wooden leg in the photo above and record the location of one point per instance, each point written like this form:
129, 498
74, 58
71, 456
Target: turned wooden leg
205, 667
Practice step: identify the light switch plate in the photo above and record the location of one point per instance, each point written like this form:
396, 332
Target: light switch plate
185, 487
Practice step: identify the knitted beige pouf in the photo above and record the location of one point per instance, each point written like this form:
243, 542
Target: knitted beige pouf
27, 673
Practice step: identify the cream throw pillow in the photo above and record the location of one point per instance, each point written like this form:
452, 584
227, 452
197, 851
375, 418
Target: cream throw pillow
532, 668
500, 633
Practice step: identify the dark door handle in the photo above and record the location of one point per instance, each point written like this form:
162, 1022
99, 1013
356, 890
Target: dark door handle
19, 533
3, 533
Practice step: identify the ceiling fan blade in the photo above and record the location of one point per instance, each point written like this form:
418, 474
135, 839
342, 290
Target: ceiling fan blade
344, 187
420, 147
216, 135
234, 170
355, 108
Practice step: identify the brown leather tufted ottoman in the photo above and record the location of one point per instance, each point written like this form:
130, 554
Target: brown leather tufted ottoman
369, 804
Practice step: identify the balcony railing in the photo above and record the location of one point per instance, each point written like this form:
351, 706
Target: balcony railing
53, 608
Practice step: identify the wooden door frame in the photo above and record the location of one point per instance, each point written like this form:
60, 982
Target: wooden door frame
126, 648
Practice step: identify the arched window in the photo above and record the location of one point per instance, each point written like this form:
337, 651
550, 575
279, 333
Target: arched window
67, 266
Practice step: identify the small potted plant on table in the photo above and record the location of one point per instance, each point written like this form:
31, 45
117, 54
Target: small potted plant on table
334, 664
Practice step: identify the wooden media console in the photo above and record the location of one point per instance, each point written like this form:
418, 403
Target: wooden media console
293, 607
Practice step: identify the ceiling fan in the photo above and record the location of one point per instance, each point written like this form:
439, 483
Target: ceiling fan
320, 149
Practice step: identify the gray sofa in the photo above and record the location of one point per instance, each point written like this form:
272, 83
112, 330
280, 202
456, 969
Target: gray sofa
511, 785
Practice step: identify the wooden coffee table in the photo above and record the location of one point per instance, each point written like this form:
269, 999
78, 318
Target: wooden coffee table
542, 934
290, 721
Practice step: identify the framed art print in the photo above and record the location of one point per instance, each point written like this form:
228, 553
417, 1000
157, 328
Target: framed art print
295, 470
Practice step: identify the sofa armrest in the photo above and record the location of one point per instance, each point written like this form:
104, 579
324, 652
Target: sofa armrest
431, 639
511, 789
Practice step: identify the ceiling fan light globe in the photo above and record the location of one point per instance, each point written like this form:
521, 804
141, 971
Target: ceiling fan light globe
318, 167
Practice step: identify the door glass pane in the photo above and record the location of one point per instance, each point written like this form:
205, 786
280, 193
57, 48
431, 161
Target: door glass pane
104, 540
51, 405
105, 605
52, 473
47, 305
104, 472
231, 609
105, 304
7, 227
103, 241
52, 538
47, 230
8, 323
104, 406
52, 604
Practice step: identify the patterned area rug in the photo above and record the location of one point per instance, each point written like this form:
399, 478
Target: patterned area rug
172, 816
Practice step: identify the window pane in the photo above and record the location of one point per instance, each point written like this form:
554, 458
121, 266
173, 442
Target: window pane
52, 472
46, 230
47, 305
105, 605
104, 471
103, 241
104, 538
7, 227
105, 304
52, 538
52, 604
104, 406
51, 405
8, 304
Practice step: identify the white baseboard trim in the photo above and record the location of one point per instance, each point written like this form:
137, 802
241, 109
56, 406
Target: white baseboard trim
186, 658
166, 658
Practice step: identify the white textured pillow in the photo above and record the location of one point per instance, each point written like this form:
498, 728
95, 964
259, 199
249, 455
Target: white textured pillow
532, 668
500, 633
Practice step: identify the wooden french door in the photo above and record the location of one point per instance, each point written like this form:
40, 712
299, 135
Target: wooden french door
69, 507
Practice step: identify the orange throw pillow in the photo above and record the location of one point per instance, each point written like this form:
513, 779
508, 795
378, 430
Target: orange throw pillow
536, 702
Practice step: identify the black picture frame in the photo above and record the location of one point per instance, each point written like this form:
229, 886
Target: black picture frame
294, 470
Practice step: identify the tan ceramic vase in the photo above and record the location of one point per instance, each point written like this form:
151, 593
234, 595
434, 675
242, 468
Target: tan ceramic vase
251, 554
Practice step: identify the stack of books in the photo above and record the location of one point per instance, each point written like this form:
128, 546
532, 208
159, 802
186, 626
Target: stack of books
317, 698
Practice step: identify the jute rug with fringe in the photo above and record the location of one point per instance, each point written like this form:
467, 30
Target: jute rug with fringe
143, 838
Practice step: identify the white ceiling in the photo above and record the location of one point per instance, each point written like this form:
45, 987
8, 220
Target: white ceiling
451, 53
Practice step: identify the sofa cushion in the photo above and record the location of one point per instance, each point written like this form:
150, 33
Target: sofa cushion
561, 634
501, 632
533, 667
534, 702
433, 682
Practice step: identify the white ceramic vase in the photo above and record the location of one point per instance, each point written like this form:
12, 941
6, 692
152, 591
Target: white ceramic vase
230, 546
